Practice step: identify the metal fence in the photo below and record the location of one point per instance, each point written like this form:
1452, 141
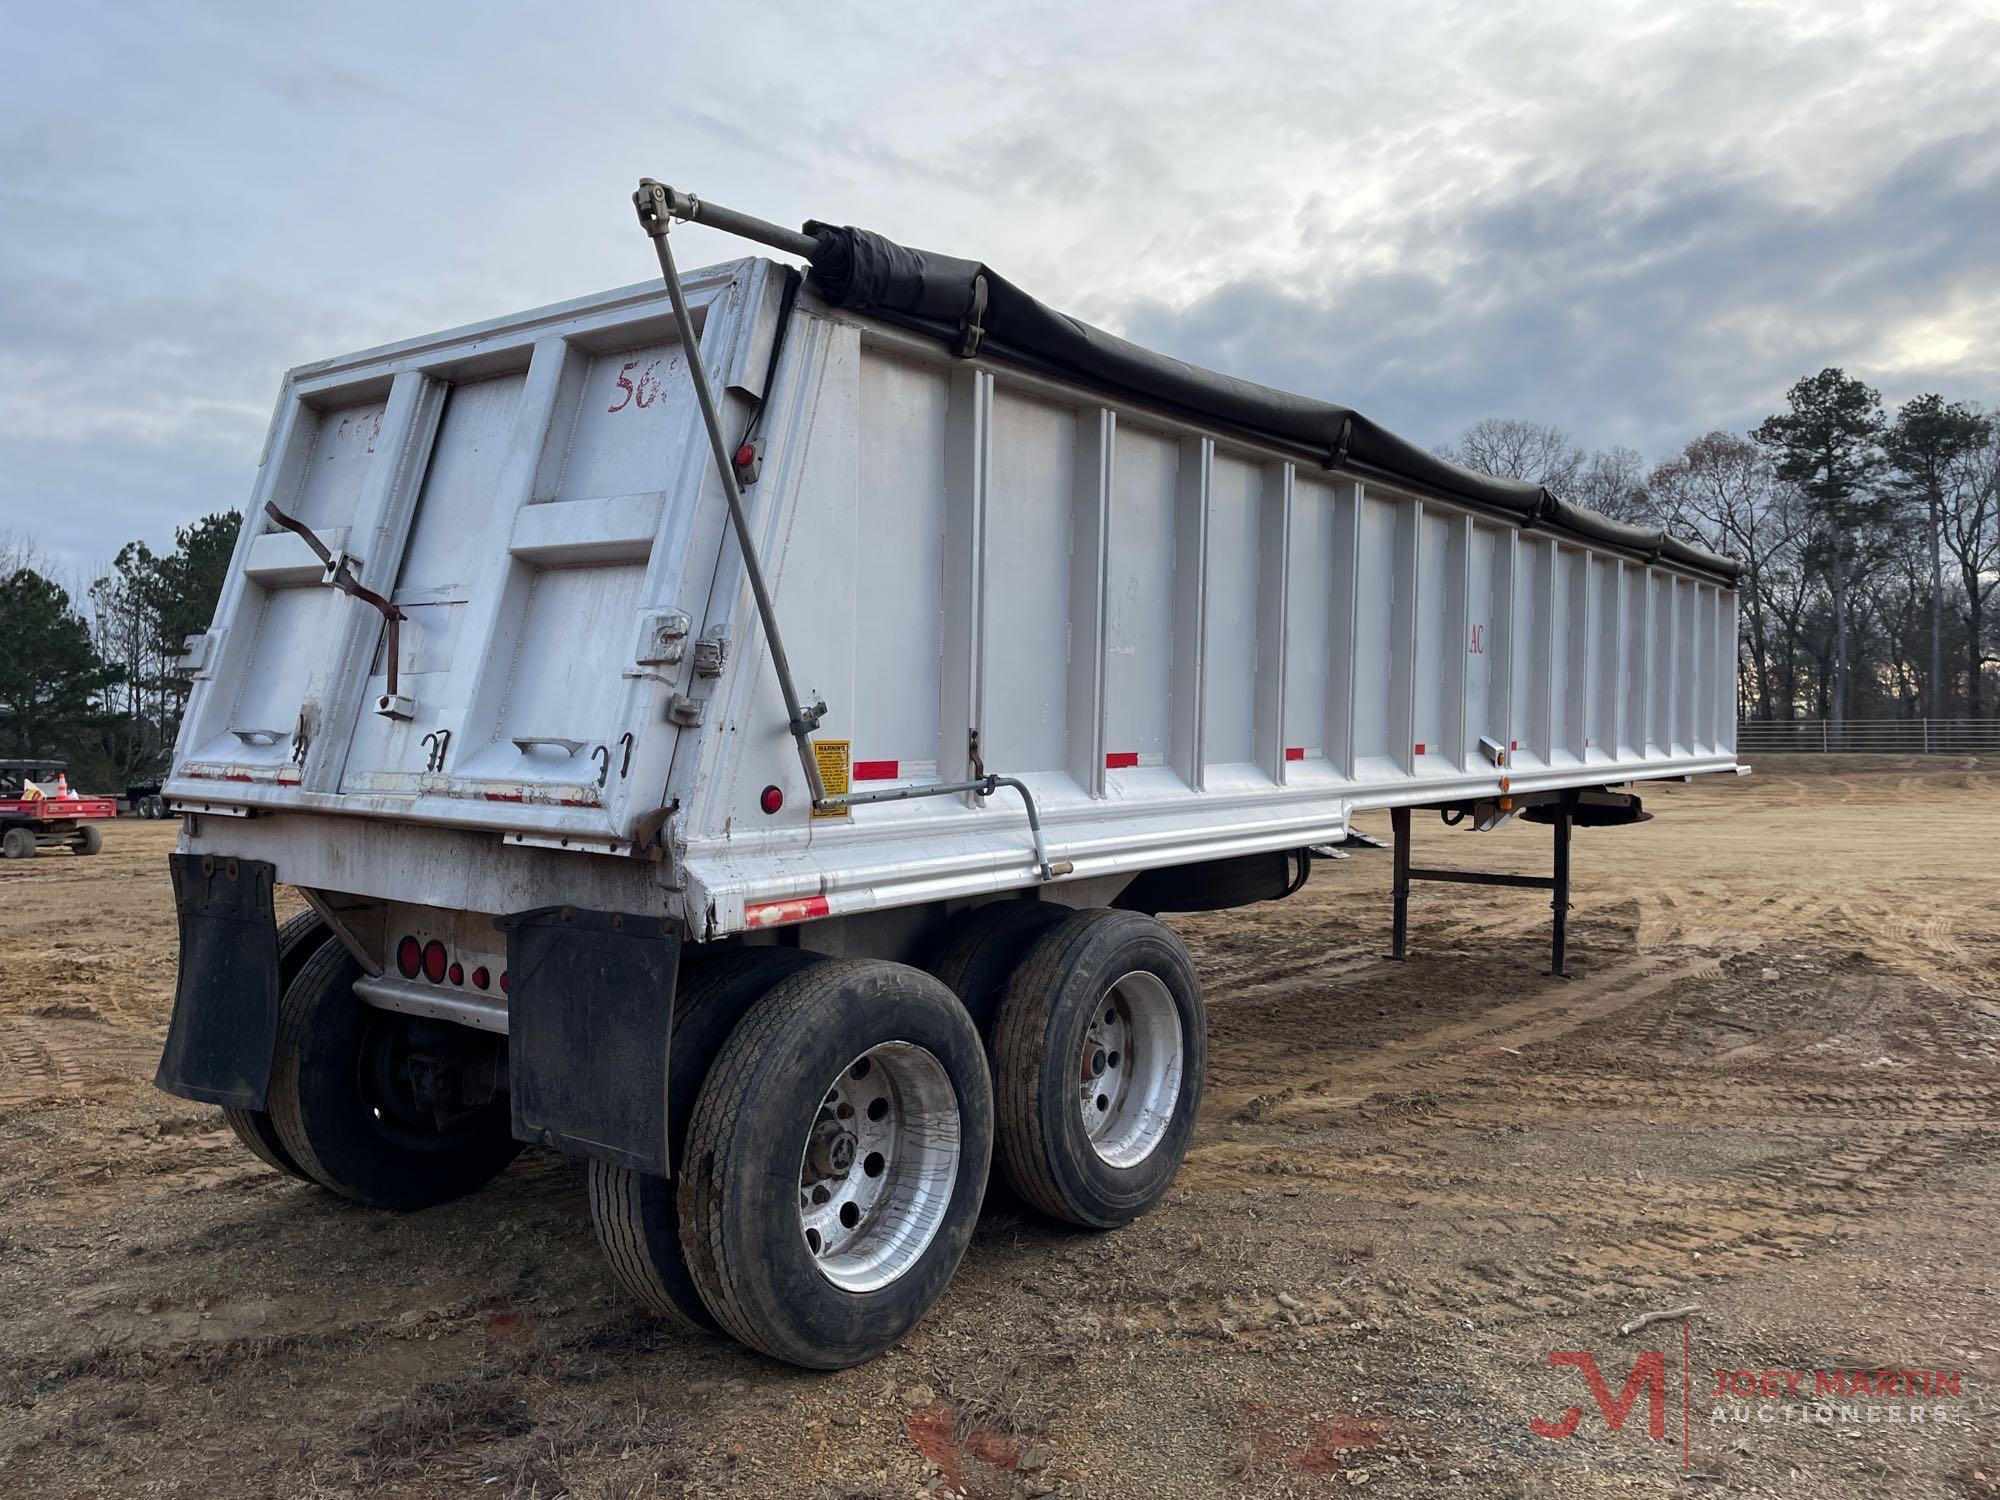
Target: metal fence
1881, 736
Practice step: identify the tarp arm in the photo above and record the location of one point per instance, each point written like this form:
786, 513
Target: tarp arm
656, 205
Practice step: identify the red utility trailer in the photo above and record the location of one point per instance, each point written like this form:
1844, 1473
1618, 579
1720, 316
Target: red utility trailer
38, 810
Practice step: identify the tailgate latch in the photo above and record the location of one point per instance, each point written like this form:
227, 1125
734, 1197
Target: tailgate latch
663, 638
711, 653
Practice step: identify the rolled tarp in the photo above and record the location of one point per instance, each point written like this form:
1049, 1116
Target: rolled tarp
950, 297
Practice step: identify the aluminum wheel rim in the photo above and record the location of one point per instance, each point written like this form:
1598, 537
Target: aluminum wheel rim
879, 1166
1129, 1069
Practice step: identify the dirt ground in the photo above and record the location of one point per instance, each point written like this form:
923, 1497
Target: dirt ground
1768, 1091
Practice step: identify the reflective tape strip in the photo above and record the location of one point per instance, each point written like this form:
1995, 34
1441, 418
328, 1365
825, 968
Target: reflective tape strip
1120, 760
781, 913
895, 770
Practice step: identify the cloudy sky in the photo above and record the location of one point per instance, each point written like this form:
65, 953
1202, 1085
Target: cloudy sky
1638, 221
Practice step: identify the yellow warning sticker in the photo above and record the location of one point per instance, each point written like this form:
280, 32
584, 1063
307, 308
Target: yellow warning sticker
835, 759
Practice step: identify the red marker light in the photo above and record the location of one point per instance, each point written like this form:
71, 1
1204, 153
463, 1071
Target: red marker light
745, 456
457, 973
771, 800
503, 983
409, 957
434, 961
480, 978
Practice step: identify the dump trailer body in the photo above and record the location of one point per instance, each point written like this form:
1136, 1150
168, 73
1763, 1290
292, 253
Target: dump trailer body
1188, 643
661, 699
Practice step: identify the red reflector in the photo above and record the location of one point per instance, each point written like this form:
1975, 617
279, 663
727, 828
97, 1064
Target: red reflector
480, 978
1118, 760
875, 770
409, 957
457, 973
772, 799
1420, 748
434, 961
504, 986
1295, 752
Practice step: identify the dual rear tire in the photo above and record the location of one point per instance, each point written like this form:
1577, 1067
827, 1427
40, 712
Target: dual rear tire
832, 1164
299, 937
831, 1122
836, 1162
1097, 1040
635, 1214
1099, 1062
389, 1110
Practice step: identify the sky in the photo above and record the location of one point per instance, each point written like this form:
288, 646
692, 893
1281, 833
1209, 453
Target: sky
1635, 221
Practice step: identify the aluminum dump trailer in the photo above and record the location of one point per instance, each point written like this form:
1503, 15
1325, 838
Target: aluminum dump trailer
765, 756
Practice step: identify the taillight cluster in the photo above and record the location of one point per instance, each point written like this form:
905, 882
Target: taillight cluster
414, 957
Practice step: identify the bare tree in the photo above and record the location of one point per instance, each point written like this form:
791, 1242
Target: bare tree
1612, 482
1509, 448
1971, 516
18, 551
1722, 492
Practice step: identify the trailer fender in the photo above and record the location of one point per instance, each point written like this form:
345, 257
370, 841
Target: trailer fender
225, 1024
590, 1007
1217, 884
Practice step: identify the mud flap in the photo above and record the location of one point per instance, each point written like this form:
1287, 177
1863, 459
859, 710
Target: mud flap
225, 1023
590, 1006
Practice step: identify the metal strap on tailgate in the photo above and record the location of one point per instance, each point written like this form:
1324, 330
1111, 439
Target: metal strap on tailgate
340, 574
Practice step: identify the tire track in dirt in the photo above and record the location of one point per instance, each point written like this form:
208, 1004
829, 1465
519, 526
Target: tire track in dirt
1631, 1246
1446, 1052
48, 1061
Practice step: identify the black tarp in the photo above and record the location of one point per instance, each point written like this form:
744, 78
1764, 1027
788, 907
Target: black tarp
941, 295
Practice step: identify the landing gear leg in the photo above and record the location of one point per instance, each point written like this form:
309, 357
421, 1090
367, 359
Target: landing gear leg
1399, 939
1559, 904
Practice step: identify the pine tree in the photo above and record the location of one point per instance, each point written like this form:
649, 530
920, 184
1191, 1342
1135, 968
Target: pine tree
1828, 443
50, 674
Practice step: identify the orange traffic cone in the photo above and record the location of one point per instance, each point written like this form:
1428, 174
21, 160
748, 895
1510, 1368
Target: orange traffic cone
62, 784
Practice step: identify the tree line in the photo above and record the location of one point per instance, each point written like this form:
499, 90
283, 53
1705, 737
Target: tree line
1870, 542
95, 680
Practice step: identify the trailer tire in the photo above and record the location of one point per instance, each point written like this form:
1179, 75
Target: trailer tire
299, 936
335, 1101
89, 839
869, 1078
1108, 1000
636, 1215
979, 949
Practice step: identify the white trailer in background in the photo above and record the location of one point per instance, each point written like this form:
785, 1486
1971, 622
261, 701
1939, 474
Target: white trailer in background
770, 795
